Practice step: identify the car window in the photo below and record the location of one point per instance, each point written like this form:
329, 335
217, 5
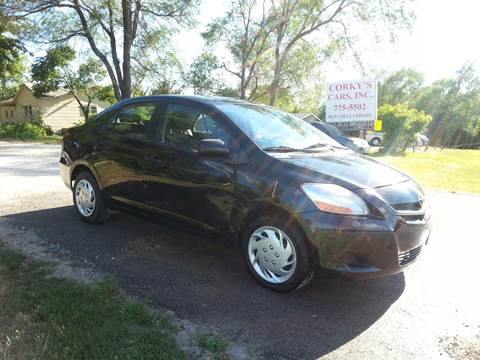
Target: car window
185, 126
133, 120
269, 127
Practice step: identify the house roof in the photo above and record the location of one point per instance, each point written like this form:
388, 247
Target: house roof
52, 94
8, 102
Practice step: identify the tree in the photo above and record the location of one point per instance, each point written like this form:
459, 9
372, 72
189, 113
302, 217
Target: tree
246, 36
12, 67
295, 20
455, 107
271, 42
201, 76
402, 86
53, 71
112, 29
401, 124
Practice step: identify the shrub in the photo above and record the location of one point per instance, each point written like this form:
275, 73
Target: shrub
24, 131
401, 124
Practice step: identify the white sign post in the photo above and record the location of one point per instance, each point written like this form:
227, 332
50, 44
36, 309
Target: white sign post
352, 105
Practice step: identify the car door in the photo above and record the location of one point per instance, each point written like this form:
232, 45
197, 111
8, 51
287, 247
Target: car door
119, 159
182, 184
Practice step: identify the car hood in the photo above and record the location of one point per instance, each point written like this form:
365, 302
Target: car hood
356, 170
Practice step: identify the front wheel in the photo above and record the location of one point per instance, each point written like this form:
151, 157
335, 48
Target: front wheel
88, 199
276, 254
376, 142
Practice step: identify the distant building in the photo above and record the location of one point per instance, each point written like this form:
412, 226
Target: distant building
57, 109
308, 117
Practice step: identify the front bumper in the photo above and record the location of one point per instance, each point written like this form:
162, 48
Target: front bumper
366, 247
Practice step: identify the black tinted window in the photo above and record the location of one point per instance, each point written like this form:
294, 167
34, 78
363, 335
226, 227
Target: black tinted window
134, 120
185, 126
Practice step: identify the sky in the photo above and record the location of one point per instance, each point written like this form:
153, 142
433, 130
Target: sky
443, 38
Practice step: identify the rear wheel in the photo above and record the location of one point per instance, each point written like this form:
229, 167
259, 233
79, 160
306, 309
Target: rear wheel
276, 254
376, 142
88, 199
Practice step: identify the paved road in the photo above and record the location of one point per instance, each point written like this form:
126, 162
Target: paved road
429, 312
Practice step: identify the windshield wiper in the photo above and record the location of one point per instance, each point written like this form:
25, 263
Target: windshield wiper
316, 146
280, 149
323, 145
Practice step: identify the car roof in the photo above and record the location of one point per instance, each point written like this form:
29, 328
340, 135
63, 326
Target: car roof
212, 100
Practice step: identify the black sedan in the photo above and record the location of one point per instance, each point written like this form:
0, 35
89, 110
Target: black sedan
288, 196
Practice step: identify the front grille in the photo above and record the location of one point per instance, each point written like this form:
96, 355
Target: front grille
408, 256
413, 206
411, 219
413, 213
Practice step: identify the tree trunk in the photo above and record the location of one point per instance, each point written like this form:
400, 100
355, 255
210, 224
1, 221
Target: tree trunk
274, 87
126, 83
243, 89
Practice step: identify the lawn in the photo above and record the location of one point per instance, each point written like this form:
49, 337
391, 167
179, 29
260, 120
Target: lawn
44, 317
449, 169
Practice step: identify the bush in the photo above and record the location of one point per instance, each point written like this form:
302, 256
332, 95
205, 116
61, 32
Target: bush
24, 131
401, 124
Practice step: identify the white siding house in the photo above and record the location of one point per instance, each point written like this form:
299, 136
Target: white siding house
58, 109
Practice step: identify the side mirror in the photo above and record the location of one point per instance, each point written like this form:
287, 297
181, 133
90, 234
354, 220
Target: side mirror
213, 147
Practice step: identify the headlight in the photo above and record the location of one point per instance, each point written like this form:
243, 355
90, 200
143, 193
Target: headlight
335, 199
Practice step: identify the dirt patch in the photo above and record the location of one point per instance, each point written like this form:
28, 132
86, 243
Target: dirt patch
461, 349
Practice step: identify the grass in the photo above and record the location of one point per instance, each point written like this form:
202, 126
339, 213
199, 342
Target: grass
44, 317
212, 343
450, 169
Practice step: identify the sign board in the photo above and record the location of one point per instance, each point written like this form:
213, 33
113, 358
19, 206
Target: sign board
352, 105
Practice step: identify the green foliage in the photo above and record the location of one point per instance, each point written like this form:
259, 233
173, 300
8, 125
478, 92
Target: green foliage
126, 36
12, 66
201, 75
213, 343
24, 131
83, 321
273, 50
401, 124
165, 86
400, 87
455, 107
53, 71
47, 71
106, 94
11, 259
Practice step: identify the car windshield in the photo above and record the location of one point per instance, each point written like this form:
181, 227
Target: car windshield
274, 129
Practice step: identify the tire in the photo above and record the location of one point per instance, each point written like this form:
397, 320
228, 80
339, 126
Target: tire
375, 142
264, 254
88, 199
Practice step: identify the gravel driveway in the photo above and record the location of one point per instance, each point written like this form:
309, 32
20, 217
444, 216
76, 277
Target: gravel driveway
430, 312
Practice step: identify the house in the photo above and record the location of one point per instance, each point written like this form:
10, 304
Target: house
57, 109
308, 117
